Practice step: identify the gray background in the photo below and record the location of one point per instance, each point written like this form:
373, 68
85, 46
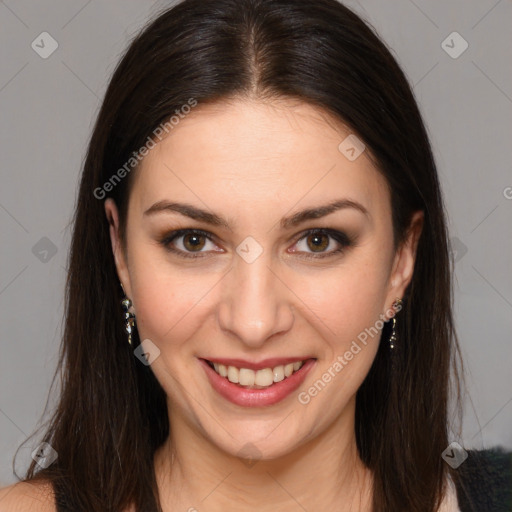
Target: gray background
47, 109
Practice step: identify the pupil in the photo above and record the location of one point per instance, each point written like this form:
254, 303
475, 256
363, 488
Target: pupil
316, 239
195, 244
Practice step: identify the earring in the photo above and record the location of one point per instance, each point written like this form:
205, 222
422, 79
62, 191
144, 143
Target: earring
397, 305
129, 318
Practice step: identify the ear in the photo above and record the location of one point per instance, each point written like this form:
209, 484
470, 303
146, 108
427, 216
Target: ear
403, 262
119, 256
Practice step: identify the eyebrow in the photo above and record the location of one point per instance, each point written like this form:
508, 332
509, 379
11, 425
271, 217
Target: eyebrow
195, 213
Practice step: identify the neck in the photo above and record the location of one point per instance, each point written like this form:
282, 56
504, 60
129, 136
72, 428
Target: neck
324, 473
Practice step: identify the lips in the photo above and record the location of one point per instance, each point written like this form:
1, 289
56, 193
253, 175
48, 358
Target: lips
256, 396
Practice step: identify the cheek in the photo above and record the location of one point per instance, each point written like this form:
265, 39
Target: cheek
347, 307
161, 309
169, 302
345, 300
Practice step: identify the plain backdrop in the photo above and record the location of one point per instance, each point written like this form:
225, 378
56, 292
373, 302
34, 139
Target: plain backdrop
48, 106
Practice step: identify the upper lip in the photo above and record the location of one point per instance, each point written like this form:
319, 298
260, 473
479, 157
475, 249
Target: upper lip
253, 365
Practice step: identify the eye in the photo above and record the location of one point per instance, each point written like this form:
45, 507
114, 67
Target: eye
189, 243
319, 240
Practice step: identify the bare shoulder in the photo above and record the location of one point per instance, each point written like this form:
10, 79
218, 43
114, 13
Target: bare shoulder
28, 496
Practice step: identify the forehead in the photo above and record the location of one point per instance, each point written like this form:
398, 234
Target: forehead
256, 154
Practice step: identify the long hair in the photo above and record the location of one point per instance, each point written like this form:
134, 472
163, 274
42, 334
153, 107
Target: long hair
112, 413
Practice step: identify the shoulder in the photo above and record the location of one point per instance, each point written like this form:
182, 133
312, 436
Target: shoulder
28, 496
484, 480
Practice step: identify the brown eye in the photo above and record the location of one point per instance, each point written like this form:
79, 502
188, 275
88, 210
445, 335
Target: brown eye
193, 242
318, 242
321, 243
188, 243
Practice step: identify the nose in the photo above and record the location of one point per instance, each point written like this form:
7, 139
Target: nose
255, 303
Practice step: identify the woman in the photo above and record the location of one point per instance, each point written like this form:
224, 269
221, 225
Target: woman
259, 293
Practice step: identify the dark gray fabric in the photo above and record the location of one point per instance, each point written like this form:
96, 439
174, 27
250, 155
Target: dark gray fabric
485, 481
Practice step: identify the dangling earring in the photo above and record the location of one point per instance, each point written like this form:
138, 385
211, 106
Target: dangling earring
129, 318
392, 339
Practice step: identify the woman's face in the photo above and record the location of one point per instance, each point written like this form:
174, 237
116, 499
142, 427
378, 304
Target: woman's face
259, 287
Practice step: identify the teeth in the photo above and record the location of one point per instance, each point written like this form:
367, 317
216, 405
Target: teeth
233, 374
278, 373
257, 379
288, 370
264, 377
246, 377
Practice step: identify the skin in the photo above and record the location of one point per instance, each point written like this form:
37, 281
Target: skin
253, 163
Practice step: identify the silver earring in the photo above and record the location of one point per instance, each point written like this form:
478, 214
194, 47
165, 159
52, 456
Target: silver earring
129, 318
392, 339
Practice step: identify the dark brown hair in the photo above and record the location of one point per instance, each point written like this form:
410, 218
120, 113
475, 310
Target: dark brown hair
112, 413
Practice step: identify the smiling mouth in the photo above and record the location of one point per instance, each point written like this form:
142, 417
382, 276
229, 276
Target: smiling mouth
256, 379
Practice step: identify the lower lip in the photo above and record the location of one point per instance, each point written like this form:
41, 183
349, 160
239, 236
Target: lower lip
257, 397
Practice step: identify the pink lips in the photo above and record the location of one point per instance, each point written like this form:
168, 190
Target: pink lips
256, 397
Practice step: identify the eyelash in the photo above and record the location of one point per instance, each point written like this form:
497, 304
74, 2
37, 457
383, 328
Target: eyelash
338, 236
